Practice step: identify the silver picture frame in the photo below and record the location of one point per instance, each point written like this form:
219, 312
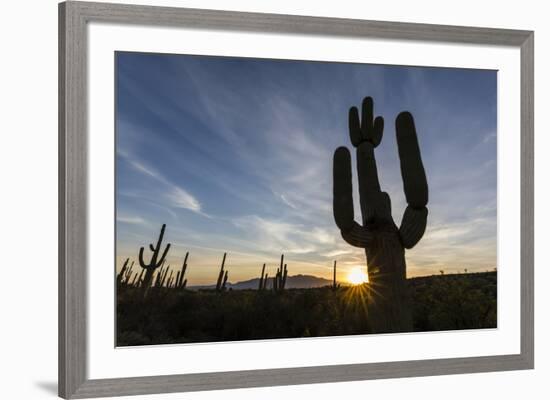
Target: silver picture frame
73, 202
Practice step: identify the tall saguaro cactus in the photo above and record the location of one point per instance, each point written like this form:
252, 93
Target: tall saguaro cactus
156, 259
384, 243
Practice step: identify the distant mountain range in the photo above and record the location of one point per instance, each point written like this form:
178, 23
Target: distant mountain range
292, 282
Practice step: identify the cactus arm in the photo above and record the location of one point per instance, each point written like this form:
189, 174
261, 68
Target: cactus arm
159, 242
151, 247
413, 226
357, 236
342, 198
342, 190
415, 185
164, 254
140, 258
378, 129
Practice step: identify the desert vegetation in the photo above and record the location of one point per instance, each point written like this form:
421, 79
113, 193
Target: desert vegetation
169, 310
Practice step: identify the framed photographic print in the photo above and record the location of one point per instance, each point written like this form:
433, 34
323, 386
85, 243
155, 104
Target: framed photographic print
254, 200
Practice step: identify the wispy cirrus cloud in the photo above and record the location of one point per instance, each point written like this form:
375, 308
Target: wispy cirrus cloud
174, 194
182, 199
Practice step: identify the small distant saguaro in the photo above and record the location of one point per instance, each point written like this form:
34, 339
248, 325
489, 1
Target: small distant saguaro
334, 284
123, 277
222, 276
181, 281
156, 260
279, 281
263, 279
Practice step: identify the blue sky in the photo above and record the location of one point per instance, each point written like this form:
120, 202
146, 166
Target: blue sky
235, 155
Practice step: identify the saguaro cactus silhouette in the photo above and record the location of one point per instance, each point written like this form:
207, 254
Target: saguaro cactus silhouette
384, 243
263, 279
181, 281
279, 281
155, 261
222, 277
334, 284
121, 274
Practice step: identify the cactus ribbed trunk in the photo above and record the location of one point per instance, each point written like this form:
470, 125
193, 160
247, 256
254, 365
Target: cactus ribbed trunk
389, 300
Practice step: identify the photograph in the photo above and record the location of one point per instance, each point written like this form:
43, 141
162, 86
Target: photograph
263, 199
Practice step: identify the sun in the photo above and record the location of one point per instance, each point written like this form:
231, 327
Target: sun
356, 276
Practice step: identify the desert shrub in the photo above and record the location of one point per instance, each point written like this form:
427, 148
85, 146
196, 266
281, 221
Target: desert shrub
445, 302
